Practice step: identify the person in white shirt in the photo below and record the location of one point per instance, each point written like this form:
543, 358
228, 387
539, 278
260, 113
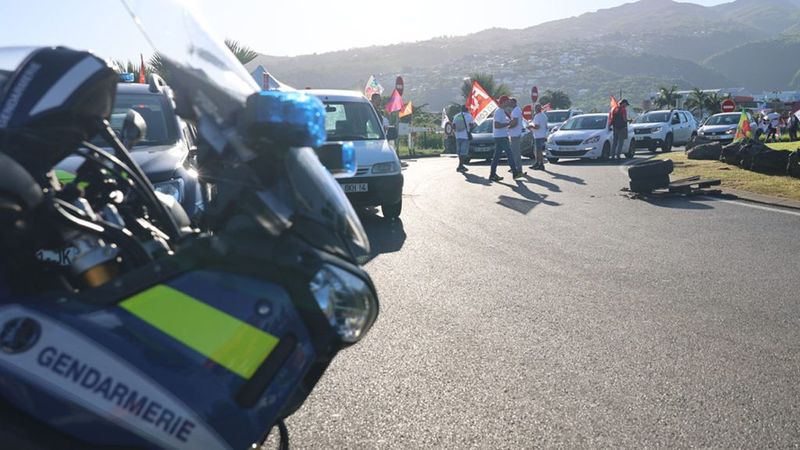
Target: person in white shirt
539, 128
515, 132
464, 124
501, 143
376, 103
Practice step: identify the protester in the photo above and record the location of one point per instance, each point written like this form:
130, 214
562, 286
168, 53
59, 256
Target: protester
464, 124
539, 129
515, 129
618, 122
761, 127
772, 129
794, 124
376, 103
501, 142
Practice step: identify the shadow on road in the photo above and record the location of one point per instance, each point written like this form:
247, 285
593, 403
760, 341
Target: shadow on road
385, 236
677, 202
528, 201
475, 179
568, 178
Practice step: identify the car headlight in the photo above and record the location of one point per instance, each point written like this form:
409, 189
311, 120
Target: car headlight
701, 133
173, 188
592, 140
731, 131
346, 301
550, 139
387, 167
657, 130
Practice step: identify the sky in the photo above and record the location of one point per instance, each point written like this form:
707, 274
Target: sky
275, 28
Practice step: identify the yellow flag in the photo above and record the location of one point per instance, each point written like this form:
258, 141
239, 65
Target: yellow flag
407, 110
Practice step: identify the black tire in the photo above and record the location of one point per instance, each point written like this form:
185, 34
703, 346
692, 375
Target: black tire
649, 185
631, 150
651, 169
392, 211
552, 160
667, 147
606, 152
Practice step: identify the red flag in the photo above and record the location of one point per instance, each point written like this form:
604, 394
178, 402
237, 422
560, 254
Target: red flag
480, 103
141, 69
395, 102
614, 103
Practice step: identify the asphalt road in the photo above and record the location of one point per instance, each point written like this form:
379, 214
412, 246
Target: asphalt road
558, 312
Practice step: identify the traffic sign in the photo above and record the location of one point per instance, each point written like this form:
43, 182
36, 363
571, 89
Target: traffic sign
527, 112
534, 94
399, 85
728, 105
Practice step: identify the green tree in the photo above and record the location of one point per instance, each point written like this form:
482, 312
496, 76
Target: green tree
487, 82
667, 97
158, 66
242, 52
557, 99
714, 103
697, 101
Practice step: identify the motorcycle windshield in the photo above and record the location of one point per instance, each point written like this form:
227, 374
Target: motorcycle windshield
167, 35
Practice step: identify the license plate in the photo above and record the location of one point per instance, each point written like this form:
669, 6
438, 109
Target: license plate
642, 138
355, 187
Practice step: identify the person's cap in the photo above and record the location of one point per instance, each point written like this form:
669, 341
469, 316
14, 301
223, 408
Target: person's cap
502, 99
624, 102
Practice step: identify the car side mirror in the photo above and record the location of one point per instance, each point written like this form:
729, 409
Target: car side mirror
391, 133
134, 129
338, 158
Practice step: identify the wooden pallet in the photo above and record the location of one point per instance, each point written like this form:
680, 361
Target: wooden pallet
692, 185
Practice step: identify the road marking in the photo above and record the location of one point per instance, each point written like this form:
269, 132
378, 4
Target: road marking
750, 205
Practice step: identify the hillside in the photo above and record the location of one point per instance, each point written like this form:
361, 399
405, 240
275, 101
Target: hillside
636, 47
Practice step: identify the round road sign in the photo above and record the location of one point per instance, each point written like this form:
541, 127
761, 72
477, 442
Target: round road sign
728, 106
399, 85
527, 112
534, 94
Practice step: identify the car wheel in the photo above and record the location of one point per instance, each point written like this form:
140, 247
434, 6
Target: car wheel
667, 144
648, 185
392, 211
631, 151
606, 152
651, 169
552, 160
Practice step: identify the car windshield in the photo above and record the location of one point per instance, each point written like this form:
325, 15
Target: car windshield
351, 121
656, 117
557, 116
724, 119
485, 127
157, 113
586, 123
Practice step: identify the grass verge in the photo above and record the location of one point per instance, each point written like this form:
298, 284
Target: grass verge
734, 177
784, 145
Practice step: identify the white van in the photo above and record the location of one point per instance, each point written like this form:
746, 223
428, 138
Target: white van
350, 117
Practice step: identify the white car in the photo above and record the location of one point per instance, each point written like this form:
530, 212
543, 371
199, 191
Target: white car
557, 117
350, 117
587, 137
722, 127
664, 129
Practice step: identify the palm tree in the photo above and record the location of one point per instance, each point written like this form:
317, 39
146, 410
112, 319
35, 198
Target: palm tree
487, 82
557, 99
667, 97
242, 52
714, 103
697, 100
157, 65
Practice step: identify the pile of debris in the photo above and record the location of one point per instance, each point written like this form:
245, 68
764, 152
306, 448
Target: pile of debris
752, 155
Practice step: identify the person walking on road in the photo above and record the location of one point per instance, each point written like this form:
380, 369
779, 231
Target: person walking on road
515, 132
618, 123
538, 127
501, 142
464, 124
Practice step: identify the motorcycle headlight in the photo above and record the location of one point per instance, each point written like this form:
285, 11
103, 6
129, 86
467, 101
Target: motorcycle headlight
346, 301
387, 167
592, 140
173, 188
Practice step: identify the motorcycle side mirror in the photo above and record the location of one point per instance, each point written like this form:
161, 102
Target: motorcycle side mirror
338, 158
290, 119
134, 129
391, 133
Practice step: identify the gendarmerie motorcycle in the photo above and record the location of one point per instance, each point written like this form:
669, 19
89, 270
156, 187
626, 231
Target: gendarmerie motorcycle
122, 323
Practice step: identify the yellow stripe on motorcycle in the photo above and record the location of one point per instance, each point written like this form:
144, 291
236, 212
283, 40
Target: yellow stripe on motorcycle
231, 343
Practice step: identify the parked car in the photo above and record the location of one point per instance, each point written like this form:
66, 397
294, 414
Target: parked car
722, 127
664, 129
586, 137
350, 117
482, 144
557, 117
166, 154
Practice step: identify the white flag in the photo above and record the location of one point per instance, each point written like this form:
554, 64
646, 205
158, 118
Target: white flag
445, 120
373, 87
